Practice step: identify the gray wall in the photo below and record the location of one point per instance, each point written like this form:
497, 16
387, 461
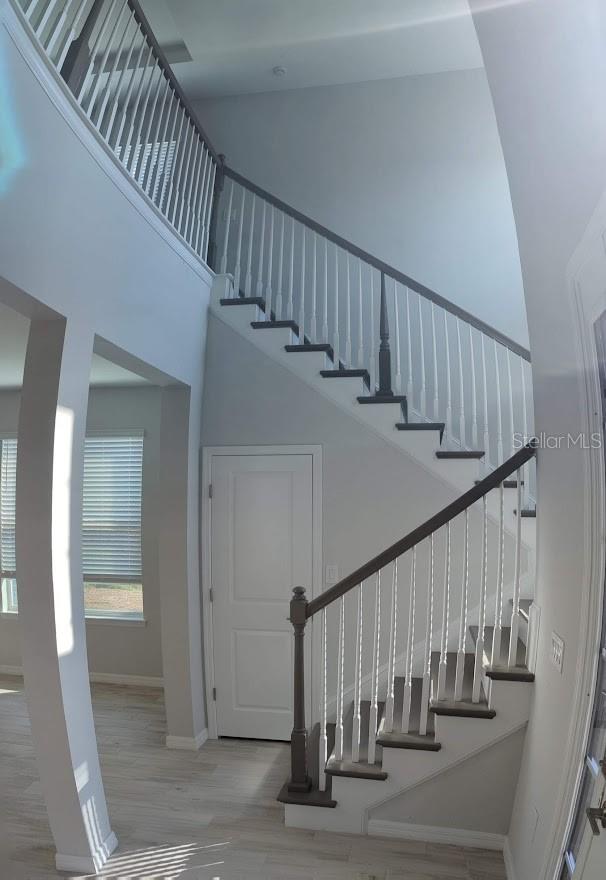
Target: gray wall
475, 795
119, 649
546, 65
409, 169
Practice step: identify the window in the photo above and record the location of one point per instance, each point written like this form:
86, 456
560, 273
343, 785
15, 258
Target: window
111, 526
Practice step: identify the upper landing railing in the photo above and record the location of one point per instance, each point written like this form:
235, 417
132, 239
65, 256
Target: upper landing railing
408, 340
107, 54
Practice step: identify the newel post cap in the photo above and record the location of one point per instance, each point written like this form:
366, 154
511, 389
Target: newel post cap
298, 607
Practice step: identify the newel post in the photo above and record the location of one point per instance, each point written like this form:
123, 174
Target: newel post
214, 213
78, 57
299, 780
384, 389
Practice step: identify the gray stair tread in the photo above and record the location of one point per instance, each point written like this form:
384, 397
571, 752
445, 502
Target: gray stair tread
359, 769
460, 453
501, 669
421, 426
465, 707
413, 739
244, 301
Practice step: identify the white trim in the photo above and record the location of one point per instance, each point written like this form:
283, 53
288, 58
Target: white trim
57, 91
88, 864
102, 620
435, 834
205, 543
151, 681
187, 743
587, 306
510, 868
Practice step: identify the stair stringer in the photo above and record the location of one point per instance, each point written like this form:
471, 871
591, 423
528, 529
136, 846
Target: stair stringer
456, 475
461, 739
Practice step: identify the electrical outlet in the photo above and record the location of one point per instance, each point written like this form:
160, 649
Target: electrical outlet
557, 651
332, 575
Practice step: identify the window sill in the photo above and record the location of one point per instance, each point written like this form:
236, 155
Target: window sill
94, 620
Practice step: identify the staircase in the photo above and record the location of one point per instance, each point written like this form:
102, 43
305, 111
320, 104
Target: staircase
423, 657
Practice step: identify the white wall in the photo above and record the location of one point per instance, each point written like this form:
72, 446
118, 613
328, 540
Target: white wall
117, 649
546, 65
476, 795
409, 169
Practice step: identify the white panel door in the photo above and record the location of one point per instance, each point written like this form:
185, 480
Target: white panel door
261, 547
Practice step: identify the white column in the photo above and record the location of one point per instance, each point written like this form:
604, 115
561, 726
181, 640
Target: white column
178, 567
51, 598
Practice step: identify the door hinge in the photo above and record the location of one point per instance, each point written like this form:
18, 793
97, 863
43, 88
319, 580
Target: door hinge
215, 695
210, 490
211, 595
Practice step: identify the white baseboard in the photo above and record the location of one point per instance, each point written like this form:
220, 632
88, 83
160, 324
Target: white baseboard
151, 681
434, 834
187, 743
509, 864
88, 864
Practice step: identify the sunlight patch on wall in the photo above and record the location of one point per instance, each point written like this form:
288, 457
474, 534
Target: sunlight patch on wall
12, 151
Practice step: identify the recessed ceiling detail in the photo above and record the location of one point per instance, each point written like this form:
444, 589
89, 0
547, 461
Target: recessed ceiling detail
236, 45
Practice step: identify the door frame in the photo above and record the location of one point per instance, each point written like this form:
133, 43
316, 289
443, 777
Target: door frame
315, 451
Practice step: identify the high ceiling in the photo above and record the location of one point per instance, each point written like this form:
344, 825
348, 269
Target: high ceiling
235, 45
14, 329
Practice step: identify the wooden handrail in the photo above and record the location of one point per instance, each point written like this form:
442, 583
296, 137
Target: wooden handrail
423, 531
382, 267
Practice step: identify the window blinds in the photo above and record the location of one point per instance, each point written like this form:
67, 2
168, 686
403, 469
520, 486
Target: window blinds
8, 478
111, 514
111, 510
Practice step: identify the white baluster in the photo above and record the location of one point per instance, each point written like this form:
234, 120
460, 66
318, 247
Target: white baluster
145, 157
396, 306
449, 431
360, 358
515, 614
323, 744
462, 436
511, 411
325, 319
478, 673
107, 88
436, 406
496, 641
87, 106
270, 264
93, 51
280, 269
372, 361
499, 403
423, 393
251, 234
445, 621
487, 458
335, 338
463, 619
526, 468
46, 18
238, 265
340, 661
106, 131
184, 187
314, 289
291, 273
474, 394
391, 663
160, 141
410, 644
167, 175
348, 361
302, 290
259, 291
230, 199
120, 145
355, 737
193, 190
135, 157
374, 703
58, 30
208, 185
426, 690
74, 31
409, 382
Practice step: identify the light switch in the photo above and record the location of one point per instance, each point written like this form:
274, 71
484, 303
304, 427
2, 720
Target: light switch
332, 575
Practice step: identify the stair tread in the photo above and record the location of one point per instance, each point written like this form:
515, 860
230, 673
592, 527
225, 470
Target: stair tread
397, 738
460, 453
448, 706
275, 325
383, 398
421, 426
244, 301
501, 670
359, 769
308, 346
346, 374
